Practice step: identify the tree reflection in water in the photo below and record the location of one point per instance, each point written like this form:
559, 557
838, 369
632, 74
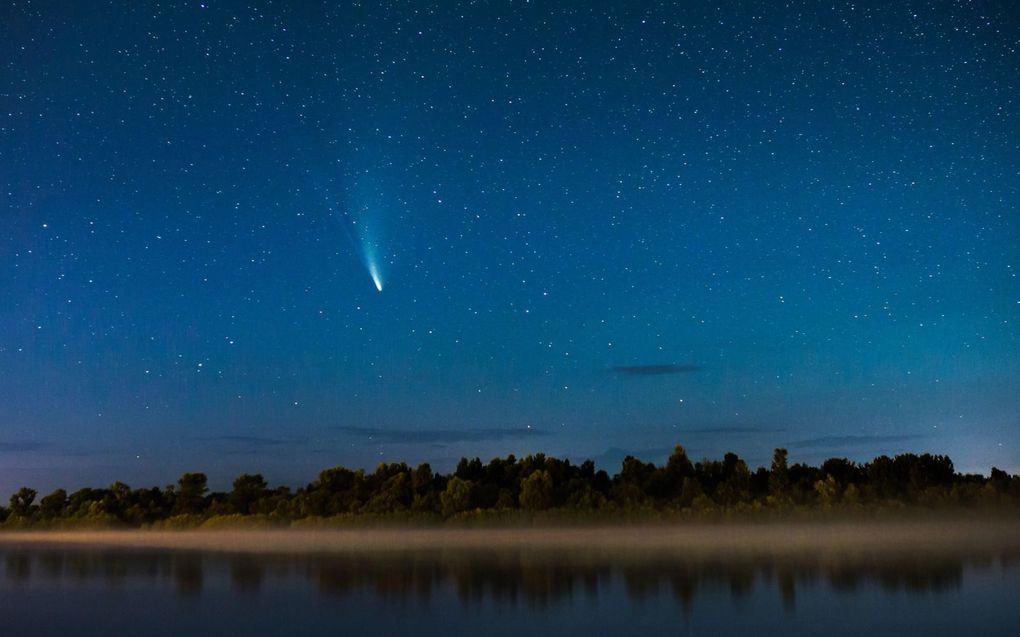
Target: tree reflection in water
505, 577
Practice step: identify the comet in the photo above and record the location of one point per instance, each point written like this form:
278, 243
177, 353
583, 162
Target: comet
355, 221
364, 248
373, 271
368, 250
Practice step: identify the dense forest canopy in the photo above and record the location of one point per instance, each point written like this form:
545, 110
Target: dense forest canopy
532, 484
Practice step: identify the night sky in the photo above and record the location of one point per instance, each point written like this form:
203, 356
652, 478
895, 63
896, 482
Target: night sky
598, 229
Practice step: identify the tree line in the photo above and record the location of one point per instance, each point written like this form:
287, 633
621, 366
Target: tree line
536, 483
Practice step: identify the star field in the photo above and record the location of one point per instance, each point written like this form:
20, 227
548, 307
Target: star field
794, 224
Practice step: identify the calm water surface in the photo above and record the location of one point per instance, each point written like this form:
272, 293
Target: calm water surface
104, 592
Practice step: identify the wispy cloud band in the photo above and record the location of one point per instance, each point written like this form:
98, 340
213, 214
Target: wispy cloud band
20, 446
850, 441
419, 436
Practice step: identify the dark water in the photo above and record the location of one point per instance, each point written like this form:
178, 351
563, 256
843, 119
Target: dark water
90, 592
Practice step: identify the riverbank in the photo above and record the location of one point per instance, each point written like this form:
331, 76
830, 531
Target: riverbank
722, 539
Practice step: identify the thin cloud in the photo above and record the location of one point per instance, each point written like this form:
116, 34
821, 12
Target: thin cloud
850, 441
420, 436
655, 370
19, 446
250, 441
612, 458
727, 430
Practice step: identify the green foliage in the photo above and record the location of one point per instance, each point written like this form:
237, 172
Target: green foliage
52, 505
21, 504
179, 522
456, 498
393, 495
239, 521
537, 491
827, 491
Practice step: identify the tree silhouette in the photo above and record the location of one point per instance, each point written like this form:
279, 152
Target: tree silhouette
779, 477
21, 503
52, 505
457, 496
248, 490
535, 484
537, 491
191, 490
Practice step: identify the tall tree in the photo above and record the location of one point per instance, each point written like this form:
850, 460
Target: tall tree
52, 505
248, 490
779, 475
457, 496
191, 490
21, 503
537, 491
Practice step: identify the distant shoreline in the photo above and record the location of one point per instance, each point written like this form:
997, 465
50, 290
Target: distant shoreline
721, 539
536, 489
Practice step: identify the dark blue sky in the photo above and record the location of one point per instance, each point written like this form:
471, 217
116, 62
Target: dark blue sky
597, 227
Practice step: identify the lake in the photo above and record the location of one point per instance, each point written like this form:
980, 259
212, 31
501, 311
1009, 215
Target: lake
144, 591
